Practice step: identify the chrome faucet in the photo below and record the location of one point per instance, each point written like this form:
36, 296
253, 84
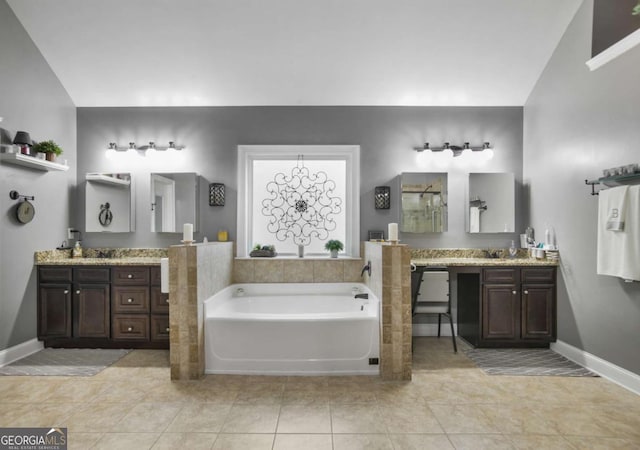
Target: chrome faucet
363, 296
366, 268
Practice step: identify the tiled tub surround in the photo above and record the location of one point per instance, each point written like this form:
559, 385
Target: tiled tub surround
297, 270
102, 257
196, 272
391, 282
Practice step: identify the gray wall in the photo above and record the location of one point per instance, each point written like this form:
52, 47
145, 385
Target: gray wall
31, 99
576, 123
386, 136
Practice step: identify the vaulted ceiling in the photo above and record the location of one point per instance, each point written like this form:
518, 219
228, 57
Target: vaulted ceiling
296, 52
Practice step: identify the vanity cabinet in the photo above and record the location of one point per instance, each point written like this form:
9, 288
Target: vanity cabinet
73, 303
510, 307
109, 307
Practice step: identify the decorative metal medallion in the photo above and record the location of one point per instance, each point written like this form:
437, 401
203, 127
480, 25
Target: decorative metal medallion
301, 205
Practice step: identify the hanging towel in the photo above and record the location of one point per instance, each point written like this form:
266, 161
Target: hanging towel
474, 219
619, 245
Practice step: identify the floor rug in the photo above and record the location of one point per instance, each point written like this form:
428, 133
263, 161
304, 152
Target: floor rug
533, 362
78, 362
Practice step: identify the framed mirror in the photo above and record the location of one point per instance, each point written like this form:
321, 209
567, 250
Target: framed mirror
109, 203
491, 203
424, 202
174, 201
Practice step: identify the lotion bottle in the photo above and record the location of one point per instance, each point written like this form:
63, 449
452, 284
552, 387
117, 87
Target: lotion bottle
77, 250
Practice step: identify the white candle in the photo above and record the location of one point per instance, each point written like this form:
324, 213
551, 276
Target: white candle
187, 232
393, 231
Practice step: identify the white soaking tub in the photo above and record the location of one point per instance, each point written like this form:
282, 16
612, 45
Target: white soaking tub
292, 329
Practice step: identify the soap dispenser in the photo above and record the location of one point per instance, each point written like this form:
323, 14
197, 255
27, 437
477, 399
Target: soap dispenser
513, 250
77, 250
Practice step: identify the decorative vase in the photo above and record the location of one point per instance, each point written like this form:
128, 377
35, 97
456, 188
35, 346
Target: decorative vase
41, 155
51, 157
334, 253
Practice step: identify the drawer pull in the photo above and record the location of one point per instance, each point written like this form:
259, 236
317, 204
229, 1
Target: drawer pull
167, 300
167, 329
129, 329
129, 300
514, 292
129, 276
78, 291
526, 292
66, 291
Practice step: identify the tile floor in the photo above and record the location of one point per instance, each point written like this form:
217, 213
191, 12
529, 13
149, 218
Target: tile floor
448, 404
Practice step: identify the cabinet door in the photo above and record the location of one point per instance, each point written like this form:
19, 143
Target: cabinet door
500, 312
538, 306
54, 310
91, 311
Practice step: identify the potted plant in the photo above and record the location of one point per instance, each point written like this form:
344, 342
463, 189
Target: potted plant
334, 246
49, 148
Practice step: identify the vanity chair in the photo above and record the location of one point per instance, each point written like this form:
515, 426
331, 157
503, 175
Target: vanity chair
430, 295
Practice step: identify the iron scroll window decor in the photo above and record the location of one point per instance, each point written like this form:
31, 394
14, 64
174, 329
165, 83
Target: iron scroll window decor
105, 216
301, 205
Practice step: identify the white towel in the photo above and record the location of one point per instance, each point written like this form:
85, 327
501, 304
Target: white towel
474, 219
619, 250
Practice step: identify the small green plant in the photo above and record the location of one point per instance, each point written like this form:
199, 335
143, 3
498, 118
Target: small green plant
636, 9
333, 244
48, 147
269, 248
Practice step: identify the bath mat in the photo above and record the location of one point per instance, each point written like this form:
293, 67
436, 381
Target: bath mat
74, 362
532, 362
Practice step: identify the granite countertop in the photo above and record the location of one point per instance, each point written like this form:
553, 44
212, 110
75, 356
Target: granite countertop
102, 257
451, 257
460, 262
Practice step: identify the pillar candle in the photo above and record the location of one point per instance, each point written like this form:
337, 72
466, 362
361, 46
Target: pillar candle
393, 231
187, 232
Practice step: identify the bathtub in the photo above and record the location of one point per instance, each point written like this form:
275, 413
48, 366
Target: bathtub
292, 329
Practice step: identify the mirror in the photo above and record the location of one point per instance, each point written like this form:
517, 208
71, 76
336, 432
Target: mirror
424, 203
173, 201
491, 207
108, 203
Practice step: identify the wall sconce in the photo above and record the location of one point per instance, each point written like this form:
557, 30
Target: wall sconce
216, 194
456, 150
382, 197
24, 141
152, 147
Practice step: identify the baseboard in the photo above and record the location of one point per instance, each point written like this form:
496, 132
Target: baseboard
11, 354
605, 369
431, 329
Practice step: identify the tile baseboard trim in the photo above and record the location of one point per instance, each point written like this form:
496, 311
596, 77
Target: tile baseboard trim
605, 369
11, 354
431, 329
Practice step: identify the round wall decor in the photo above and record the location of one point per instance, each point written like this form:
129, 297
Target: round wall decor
25, 212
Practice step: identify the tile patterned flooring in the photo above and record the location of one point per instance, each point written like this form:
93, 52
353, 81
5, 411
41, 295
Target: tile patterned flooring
449, 404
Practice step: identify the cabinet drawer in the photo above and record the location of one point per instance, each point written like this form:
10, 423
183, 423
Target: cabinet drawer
127, 276
539, 275
159, 301
130, 299
159, 328
54, 274
130, 327
155, 275
499, 275
91, 274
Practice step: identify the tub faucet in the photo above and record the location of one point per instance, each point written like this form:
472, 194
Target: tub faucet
366, 268
363, 296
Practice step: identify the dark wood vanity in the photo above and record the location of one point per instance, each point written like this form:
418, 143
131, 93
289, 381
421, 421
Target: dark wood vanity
102, 307
506, 306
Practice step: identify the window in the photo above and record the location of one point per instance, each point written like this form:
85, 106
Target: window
298, 195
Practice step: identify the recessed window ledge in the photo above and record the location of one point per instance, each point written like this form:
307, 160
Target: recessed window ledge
614, 51
306, 258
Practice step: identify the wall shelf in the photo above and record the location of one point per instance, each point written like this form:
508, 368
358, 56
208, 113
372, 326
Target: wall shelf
19, 159
617, 180
106, 179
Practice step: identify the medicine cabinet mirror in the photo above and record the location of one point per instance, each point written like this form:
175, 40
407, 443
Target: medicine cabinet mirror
174, 201
491, 205
109, 203
424, 202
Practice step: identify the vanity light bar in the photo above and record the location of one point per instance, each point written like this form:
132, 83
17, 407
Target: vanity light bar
457, 150
151, 146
